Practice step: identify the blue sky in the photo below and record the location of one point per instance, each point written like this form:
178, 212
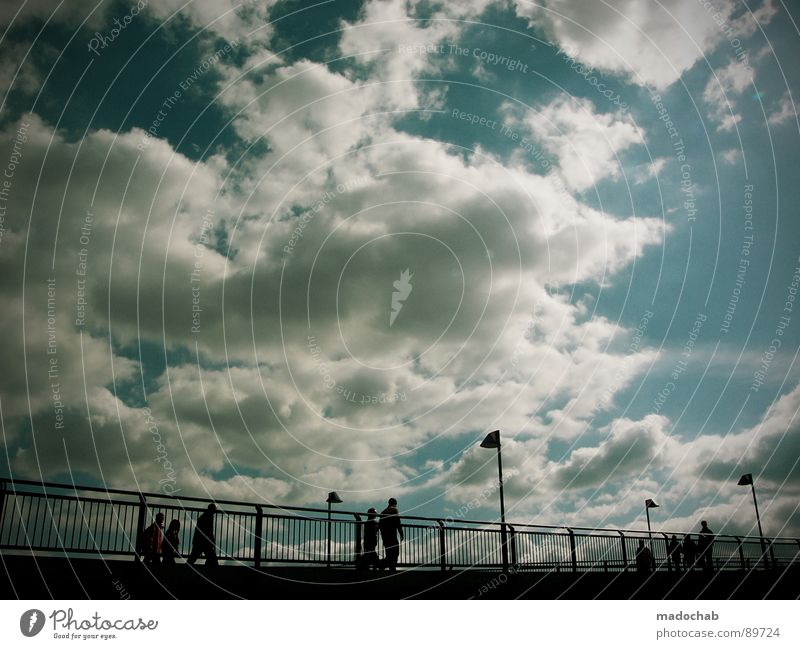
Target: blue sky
595, 205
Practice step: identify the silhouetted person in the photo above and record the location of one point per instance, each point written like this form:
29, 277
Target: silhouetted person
153, 537
706, 547
170, 546
689, 552
644, 558
391, 527
674, 552
371, 539
204, 542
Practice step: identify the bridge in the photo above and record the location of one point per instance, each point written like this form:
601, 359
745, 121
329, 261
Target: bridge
52, 535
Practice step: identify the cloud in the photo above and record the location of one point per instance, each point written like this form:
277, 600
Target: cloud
20, 11
17, 71
784, 112
652, 44
722, 90
731, 156
259, 403
770, 449
586, 144
648, 170
230, 19
631, 449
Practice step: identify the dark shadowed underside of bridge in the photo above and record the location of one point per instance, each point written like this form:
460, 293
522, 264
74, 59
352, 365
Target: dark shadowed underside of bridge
29, 577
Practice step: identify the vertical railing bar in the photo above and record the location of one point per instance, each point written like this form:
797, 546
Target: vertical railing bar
71, 516
290, 538
20, 508
85, 527
258, 534
3, 490
69, 525
36, 522
58, 524
73, 543
138, 538
46, 542
103, 525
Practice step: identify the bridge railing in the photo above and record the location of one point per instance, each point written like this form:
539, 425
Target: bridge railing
50, 518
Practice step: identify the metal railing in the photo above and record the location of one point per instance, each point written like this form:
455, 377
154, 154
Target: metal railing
51, 518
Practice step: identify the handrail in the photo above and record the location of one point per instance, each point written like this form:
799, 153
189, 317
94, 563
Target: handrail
567, 530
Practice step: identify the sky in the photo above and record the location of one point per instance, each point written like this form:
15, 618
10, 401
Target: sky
264, 250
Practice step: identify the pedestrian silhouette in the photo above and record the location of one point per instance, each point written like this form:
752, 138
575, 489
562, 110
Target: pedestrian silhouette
644, 558
706, 547
170, 546
674, 552
204, 541
689, 553
391, 527
370, 559
153, 537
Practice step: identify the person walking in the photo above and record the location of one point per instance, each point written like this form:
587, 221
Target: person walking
674, 551
204, 541
371, 540
391, 527
706, 547
170, 547
153, 537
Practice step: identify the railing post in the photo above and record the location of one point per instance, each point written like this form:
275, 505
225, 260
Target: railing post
624, 552
741, 551
140, 528
772, 554
513, 539
668, 559
573, 552
442, 546
259, 535
2, 503
357, 549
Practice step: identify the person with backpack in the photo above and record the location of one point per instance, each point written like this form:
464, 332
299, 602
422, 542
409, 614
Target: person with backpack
390, 528
170, 547
204, 541
152, 541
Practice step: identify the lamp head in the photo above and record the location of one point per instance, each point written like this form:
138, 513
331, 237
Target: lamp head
333, 497
492, 440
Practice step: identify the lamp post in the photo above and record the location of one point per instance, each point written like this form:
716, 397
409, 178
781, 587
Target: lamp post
492, 440
333, 497
648, 504
747, 479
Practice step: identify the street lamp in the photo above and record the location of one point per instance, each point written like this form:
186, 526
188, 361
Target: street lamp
747, 479
493, 441
648, 504
333, 497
